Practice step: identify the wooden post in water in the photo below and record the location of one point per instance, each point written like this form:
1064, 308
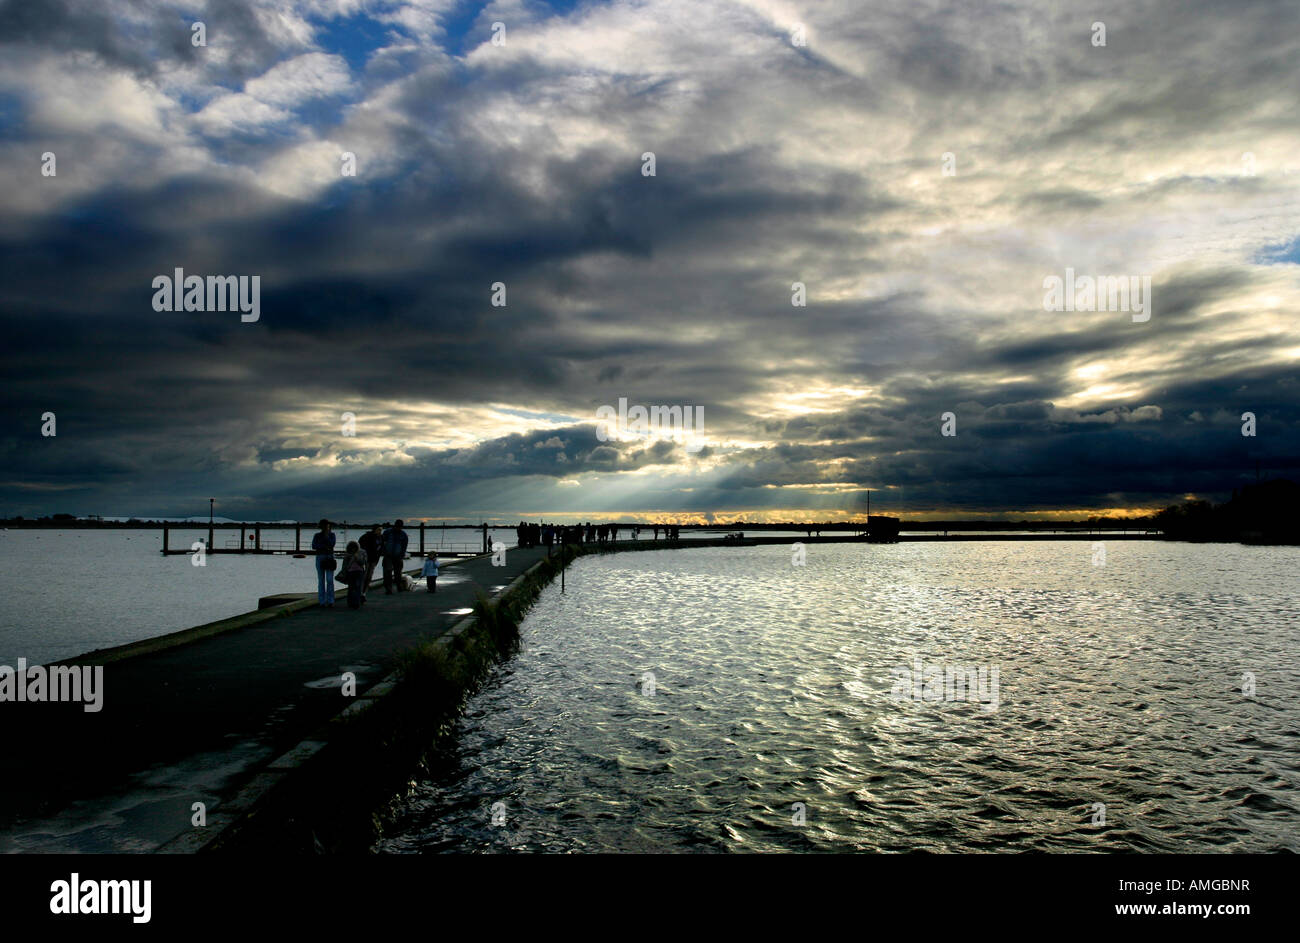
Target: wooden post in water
165, 530
485, 541
257, 538
297, 538
243, 538
421, 538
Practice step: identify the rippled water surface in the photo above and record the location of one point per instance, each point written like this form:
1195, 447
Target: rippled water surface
707, 699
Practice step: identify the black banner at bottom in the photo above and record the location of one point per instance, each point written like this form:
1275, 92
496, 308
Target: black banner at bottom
1225, 894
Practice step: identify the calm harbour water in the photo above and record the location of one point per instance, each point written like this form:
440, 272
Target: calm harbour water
774, 692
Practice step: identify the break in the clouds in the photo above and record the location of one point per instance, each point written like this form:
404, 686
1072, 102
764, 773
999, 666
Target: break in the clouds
922, 169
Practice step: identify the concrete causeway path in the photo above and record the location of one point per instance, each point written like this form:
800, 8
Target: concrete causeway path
194, 722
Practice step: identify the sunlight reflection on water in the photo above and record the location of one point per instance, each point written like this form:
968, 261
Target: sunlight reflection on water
774, 685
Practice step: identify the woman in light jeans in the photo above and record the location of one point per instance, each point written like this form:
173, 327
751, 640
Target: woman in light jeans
323, 544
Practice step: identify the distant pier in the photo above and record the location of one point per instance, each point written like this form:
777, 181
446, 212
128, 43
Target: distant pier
251, 542
881, 530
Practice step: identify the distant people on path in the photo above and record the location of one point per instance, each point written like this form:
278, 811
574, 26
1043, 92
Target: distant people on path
394, 544
581, 532
430, 571
323, 544
370, 543
352, 573
528, 535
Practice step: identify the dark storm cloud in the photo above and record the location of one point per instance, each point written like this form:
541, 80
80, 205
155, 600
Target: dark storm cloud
145, 37
86, 26
774, 166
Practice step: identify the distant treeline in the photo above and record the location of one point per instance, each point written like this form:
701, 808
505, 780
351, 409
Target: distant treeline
71, 520
1266, 513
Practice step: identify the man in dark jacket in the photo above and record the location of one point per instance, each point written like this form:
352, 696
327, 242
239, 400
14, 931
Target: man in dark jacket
393, 544
370, 543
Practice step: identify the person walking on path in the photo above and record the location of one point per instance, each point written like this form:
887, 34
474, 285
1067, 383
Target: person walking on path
394, 546
370, 542
353, 574
430, 572
323, 544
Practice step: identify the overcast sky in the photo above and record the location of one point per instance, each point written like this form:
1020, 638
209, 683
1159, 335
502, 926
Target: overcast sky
1171, 151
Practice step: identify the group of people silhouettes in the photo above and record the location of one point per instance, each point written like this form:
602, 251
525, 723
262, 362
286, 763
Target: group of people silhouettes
356, 570
387, 544
547, 535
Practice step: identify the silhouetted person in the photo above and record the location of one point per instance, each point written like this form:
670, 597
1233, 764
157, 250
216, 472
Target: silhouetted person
394, 546
370, 543
323, 545
352, 572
